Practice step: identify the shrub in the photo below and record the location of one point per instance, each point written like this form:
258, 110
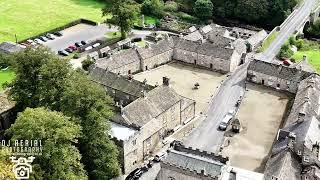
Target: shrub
86, 64
203, 9
285, 51
171, 6
76, 56
187, 17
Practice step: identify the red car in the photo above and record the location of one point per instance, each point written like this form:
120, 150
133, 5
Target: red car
287, 62
72, 47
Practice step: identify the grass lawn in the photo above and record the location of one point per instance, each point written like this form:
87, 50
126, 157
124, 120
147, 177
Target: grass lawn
6, 76
150, 20
112, 35
27, 18
312, 55
266, 43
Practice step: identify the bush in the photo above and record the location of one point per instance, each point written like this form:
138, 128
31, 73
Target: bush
153, 8
76, 56
187, 17
285, 51
171, 6
203, 9
4, 61
86, 64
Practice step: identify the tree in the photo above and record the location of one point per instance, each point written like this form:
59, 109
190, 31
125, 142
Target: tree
252, 10
89, 103
5, 165
314, 29
203, 9
153, 8
124, 13
285, 51
39, 78
86, 64
60, 158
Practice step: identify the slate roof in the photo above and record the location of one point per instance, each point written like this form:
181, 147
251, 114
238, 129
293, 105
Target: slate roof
278, 70
212, 50
283, 165
156, 49
186, 45
194, 162
118, 82
194, 36
10, 47
156, 101
119, 59
5, 103
255, 39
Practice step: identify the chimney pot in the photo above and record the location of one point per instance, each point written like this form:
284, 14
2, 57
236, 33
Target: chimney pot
165, 81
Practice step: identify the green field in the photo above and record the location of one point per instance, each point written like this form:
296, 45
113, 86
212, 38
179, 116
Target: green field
6, 76
27, 18
312, 55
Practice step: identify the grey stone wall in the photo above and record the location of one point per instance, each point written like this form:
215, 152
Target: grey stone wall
188, 113
274, 82
185, 56
157, 60
124, 70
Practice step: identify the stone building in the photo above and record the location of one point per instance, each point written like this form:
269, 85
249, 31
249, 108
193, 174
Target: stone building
256, 40
123, 62
191, 164
276, 75
295, 154
122, 89
147, 120
10, 47
7, 113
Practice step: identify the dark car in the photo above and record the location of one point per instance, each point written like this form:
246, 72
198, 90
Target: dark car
84, 42
135, 174
58, 33
78, 44
63, 53
69, 50
44, 39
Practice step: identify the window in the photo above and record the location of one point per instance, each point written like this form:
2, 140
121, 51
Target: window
195, 62
278, 85
211, 66
146, 67
134, 142
129, 72
262, 82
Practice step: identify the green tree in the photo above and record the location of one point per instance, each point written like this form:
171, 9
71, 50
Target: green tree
86, 64
5, 165
153, 8
314, 29
285, 51
39, 78
92, 107
124, 13
60, 159
252, 10
203, 9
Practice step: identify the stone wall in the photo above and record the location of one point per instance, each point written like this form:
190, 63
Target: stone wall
188, 113
120, 97
185, 56
234, 61
272, 81
157, 60
128, 68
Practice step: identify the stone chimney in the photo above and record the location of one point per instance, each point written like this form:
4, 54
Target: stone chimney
165, 81
304, 58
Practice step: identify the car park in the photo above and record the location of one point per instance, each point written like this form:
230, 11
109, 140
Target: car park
63, 53
50, 36
88, 48
58, 33
38, 41
29, 41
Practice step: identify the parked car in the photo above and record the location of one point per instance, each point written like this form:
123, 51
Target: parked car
88, 48
159, 156
96, 45
78, 44
287, 62
58, 33
30, 41
44, 39
68, 50
63, 53
74, 48
50, 36
135, 174
38, 41
84, 42
226, 120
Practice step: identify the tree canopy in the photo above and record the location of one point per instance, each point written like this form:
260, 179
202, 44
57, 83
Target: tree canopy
124, 13
60, 159
203, 9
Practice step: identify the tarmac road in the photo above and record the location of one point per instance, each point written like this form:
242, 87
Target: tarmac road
207, 136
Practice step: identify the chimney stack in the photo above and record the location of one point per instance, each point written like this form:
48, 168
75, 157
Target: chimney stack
165, 81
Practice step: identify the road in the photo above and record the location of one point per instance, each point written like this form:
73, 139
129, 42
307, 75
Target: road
289, 26
207, 136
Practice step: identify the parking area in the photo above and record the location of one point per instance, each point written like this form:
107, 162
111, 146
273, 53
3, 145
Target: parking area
182, 80
260, 115
77, 33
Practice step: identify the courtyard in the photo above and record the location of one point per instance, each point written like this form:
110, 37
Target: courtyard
261, 113
182, 80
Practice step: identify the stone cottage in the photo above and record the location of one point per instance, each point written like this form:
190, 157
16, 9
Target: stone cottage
276, 76
191, 164
148, 120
